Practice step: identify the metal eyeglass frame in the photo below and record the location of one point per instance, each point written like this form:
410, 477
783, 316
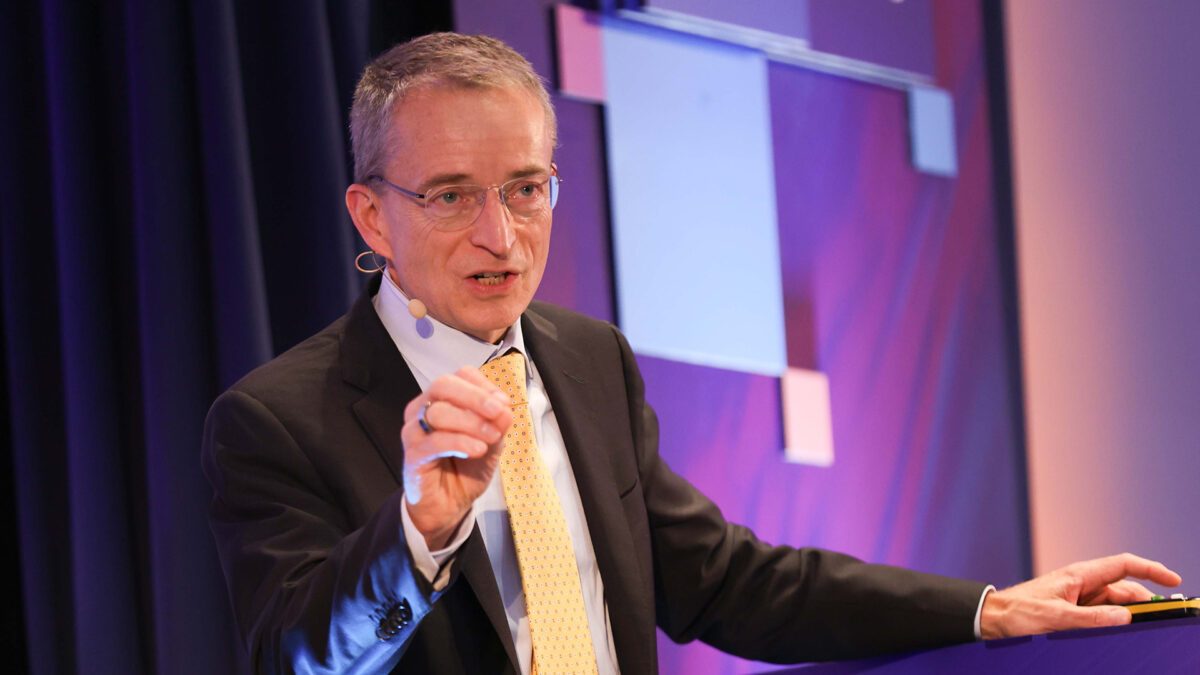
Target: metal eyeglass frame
452, 223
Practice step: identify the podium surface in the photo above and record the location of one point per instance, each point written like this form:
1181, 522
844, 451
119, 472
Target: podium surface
1167, 646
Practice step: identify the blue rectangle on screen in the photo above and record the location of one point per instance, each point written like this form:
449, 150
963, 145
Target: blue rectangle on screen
931, 131
695, 236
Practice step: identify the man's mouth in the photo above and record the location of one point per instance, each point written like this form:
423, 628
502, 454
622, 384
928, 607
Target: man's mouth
491, 278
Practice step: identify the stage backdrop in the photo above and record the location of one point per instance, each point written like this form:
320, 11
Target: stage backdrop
1105, 103
170, 204
895, 284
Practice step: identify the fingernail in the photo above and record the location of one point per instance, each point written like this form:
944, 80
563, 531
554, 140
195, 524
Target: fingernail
1119, 615
492, 406
489, 431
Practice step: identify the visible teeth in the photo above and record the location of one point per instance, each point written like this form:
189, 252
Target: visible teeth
491, 278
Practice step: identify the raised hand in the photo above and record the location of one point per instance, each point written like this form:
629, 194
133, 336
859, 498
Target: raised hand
448, 468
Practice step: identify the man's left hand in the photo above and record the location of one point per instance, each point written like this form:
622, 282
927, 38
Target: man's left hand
1081, 595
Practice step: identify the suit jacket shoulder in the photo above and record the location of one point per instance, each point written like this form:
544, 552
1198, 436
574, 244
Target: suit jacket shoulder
303, 456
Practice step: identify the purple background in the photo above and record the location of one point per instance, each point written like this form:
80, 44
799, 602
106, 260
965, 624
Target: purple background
882, 32
893, 287
1106, 144
1161, 647
578, 273
785, 17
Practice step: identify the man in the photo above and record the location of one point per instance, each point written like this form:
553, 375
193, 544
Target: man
372, 486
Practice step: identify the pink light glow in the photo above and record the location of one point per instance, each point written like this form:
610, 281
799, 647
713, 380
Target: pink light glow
580, 53
1106, 150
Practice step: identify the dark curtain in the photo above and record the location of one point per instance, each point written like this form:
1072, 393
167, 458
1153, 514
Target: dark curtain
171, 179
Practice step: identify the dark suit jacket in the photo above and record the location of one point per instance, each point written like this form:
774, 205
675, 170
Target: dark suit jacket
304, 457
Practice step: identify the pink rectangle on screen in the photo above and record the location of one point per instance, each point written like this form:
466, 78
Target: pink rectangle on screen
580, 53
807, 422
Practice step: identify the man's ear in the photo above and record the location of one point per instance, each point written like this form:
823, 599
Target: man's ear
367, 213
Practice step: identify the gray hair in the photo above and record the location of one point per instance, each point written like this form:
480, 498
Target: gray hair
469, 61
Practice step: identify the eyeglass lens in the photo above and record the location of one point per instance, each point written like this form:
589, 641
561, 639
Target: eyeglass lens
525, 197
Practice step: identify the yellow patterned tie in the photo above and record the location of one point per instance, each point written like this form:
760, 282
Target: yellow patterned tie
553, 597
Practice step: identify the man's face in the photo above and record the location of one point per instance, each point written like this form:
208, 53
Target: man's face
480, 277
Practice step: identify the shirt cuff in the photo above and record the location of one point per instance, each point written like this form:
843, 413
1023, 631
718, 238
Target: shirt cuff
432, 564
978, 611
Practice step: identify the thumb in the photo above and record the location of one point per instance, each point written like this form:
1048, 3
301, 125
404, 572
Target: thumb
1100, 615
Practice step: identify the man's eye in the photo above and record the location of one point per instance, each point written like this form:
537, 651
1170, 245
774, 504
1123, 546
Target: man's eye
524, 190
448, 198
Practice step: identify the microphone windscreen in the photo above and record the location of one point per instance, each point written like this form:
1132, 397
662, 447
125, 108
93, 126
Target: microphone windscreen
417, 309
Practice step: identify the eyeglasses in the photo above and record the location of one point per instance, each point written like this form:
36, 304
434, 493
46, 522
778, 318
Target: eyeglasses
454, 207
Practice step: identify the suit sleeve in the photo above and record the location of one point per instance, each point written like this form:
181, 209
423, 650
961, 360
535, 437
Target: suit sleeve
716, 582
310, 594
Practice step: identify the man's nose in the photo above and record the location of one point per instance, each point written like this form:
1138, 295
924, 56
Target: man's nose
493, 227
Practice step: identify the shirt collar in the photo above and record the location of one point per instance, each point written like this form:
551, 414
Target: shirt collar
431, 348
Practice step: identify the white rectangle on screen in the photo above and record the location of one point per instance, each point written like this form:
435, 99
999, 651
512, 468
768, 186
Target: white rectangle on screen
695, 237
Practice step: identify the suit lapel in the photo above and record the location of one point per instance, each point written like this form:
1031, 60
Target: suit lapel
475, 565
371, 362
582, 414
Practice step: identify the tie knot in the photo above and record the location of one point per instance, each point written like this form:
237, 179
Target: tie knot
508, 373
